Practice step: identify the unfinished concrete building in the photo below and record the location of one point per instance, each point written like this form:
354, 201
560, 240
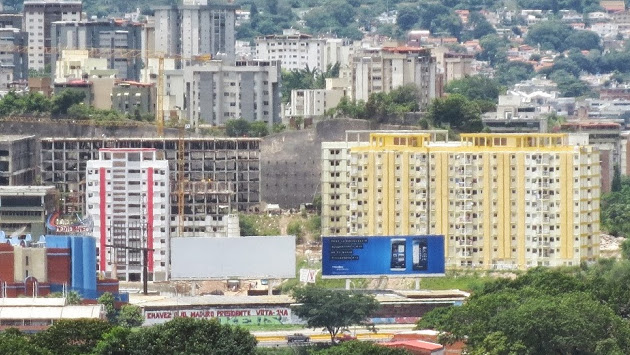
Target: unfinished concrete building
206, 210
18, 161
23, 209
231, 164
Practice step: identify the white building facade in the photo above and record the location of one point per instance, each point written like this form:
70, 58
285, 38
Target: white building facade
314, 102
127, 195
297, 51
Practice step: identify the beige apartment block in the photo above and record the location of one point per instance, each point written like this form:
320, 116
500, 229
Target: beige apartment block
502, 201
385, 69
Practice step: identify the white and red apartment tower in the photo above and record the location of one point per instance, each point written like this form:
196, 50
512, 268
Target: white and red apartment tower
127, 195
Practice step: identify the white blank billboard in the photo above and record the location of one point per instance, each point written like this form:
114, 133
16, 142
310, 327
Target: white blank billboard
225, 258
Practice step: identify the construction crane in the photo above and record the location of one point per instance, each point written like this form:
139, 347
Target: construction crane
159, 102
180, 180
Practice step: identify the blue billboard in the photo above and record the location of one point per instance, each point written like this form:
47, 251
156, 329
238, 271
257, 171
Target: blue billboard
402, 256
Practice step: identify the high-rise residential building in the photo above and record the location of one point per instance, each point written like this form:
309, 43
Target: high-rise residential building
385, 69
298, 51
195, 28
502, 201
457, 66
217, 92
118, 42
13, 59
38, 18
128, 199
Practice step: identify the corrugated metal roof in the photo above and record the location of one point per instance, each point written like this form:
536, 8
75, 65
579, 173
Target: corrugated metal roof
32, 302
210, 300
64, 312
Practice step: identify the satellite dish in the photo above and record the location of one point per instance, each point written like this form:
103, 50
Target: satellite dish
15, 240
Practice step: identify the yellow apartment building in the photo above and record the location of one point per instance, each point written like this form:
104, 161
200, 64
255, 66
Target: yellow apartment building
502, 201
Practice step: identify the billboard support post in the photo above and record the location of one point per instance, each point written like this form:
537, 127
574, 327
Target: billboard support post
347, 284
270, 287
417, 284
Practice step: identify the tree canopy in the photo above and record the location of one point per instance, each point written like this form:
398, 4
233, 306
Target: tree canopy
381, 107
68, 337
615, 209
476, 87
543, 311
360, 348
331, 309
560, 37
192, 336
456, 112
243, 128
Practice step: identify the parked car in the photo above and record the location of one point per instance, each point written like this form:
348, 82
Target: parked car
344, 337
298, 338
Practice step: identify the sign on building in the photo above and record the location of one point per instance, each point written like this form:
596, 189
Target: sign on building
234, 316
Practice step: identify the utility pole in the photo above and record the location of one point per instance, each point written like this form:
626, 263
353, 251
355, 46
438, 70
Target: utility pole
145, 262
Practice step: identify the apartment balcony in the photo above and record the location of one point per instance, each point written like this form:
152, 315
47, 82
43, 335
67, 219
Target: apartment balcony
466, 254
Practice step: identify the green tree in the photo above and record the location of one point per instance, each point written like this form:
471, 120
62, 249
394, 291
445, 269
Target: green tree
360, 348
258, 129
407, 17
278, 127
615, 210
476, 87
493, 49
384, 107
295, 228
569, 85
36, 102
510, 73
317, 203
73, 297
69, 337
62, 101
109, 302
114, 342
332, 310
237, 128
584, 40
549, 35
481, 26
192, 336
455, 111
130, 316
349, 109
616, 181
542, 311
343, 13
14, 342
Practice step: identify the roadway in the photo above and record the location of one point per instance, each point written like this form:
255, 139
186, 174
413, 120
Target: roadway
278, 338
